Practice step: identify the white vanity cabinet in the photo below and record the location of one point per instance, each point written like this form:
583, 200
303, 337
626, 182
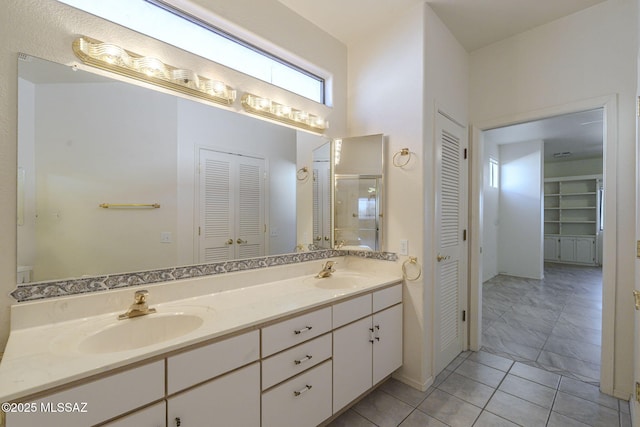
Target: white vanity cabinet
232, 400
227, 391
96, 401
295, 372
296, 378
369, 349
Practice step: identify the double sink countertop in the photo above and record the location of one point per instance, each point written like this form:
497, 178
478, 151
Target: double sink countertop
59, 340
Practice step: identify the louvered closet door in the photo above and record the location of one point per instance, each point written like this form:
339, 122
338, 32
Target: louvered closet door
451, 248
321, 204
216, 207
231, 206
250, 226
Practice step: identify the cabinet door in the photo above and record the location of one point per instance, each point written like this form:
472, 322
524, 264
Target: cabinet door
387, 346
568, 249
153, 416
232, 400
585, 250
551, 248
352, 362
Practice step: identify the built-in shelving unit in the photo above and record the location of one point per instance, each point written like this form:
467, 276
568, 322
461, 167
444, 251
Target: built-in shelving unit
571, 219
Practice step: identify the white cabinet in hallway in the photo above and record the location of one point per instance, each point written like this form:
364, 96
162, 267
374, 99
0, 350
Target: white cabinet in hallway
572, 219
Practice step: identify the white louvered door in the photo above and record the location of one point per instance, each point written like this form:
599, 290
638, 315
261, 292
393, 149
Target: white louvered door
321, 204
451, 248
250, 227
231, 207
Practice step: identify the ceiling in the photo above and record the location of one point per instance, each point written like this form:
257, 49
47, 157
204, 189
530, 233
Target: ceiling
580, 134
475, 23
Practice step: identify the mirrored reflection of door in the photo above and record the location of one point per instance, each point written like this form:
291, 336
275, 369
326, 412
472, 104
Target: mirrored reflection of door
357, 211
322, 204
231, 207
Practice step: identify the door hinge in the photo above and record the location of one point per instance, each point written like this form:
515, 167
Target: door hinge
464, 315
464, 235
638, 249
638, 107
265, 228
636, 298
465, 153
199, 231
638, 391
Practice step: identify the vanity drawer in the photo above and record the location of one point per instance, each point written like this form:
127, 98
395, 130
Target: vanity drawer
387, 297
303, 401
105, 398
295, 331
352, 310
201, 364
153, 416
295, 360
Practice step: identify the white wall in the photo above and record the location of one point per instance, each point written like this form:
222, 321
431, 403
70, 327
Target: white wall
491, 217
46, 29
80, 164
520, 234
397, 77
585, 55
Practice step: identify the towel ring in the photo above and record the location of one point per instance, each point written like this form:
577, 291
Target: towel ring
411, 260
303, 173
397, 158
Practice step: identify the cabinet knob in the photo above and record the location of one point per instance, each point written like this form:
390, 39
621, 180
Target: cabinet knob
240, 241
230, 242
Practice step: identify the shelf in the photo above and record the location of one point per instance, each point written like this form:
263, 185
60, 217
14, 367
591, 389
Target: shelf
579, 194
577, 222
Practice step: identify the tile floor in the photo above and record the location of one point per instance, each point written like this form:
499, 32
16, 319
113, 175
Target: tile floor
485, 390
554, 323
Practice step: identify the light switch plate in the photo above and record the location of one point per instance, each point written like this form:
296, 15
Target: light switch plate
404, 247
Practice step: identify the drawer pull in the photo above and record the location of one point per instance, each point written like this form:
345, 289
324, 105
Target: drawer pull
304, 359
377, 333
299, 331
178, 422
305, 389
371, 335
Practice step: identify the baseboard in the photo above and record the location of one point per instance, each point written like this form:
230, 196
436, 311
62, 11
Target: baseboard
422, 386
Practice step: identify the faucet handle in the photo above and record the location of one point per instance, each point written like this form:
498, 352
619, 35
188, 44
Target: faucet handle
330, 265
140, 297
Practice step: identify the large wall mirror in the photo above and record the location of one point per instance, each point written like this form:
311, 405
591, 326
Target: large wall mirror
218, 185
358, 177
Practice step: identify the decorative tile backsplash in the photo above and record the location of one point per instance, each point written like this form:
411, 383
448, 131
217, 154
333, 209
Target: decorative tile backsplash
41, 290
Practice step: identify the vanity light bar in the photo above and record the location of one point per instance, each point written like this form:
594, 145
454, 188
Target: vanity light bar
283, 113
148, 69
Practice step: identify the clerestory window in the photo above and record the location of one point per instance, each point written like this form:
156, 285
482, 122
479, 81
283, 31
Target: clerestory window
161, 21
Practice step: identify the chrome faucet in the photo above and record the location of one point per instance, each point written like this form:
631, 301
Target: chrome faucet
139, 306
327, 269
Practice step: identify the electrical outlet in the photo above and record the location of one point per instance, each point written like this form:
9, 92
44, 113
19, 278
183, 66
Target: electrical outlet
165, 237
404, 247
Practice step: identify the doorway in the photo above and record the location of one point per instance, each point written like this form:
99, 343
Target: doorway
479, 239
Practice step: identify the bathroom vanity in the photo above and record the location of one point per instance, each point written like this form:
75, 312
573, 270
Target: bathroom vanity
270, 347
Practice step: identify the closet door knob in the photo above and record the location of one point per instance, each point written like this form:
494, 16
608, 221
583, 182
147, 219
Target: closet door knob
240, 241
230, 242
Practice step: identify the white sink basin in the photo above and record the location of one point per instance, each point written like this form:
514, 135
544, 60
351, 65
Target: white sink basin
338, 281
140, 332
